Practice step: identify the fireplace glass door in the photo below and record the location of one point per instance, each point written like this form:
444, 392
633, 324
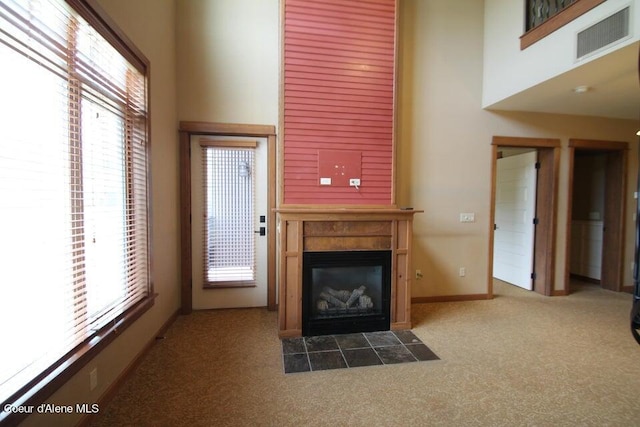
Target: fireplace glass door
346, 291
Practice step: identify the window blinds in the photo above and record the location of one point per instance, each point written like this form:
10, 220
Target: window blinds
229, 212
73, 186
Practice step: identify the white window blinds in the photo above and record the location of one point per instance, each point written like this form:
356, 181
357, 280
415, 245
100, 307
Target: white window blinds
228, 240
73, 187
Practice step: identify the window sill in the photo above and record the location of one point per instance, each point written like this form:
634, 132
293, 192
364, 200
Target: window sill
557, 21
227, 285
56, 376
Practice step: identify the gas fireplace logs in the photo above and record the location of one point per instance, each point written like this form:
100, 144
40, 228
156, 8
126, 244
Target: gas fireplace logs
342, 301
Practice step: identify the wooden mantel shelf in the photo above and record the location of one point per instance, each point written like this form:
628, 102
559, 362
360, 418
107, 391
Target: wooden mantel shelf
349, 211
342, 229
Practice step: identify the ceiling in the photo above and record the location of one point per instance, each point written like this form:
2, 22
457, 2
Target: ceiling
613, 89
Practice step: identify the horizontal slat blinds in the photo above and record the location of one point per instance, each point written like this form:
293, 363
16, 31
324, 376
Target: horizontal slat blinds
229, 211
339, 63
73, 187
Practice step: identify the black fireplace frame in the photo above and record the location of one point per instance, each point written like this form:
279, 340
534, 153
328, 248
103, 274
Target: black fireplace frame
351, 324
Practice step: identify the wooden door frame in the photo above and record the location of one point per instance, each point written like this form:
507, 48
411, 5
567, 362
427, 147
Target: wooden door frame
545, 240
615, 255
186, 131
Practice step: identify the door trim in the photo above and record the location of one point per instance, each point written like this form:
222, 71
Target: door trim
614, 257
186, 131
545, 233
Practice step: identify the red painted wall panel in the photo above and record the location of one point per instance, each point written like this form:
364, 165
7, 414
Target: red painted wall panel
338, 97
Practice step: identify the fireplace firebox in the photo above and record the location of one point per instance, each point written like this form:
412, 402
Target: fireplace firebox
346, 292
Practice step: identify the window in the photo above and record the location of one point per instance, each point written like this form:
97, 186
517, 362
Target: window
229, 212
74, 259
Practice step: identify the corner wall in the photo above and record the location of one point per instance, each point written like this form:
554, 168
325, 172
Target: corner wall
444, 147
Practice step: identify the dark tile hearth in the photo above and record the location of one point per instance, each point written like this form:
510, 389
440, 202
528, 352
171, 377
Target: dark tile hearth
395, 354
353, 350
321, 343
361, 357
321, 360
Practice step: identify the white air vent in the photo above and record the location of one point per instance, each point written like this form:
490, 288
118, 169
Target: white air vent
603, 33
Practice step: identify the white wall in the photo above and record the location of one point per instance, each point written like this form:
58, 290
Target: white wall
444, 146
509, 70
228, 55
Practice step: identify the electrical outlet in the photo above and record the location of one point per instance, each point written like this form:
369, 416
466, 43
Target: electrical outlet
468, 217
418, 274
354, 182
325, 181
93, 378
462, 272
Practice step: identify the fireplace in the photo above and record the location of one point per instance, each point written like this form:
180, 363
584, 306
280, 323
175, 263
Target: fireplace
339, 234
345, 292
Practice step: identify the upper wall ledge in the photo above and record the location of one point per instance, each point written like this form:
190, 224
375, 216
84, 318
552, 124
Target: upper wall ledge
557, 21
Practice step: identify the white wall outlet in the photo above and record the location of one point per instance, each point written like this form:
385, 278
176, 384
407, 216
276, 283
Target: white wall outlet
325, 181
468, 217
462, 272
93, 378
354, 182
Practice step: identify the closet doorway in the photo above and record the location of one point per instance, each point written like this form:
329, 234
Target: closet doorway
595, 218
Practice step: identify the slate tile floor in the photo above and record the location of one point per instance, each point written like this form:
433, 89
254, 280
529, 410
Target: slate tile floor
352, 350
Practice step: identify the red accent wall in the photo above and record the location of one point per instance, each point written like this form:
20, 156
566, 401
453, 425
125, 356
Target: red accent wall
339, 58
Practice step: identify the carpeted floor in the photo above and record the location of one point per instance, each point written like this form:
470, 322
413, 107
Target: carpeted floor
519, 359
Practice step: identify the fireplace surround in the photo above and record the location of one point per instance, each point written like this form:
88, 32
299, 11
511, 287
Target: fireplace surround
308, 230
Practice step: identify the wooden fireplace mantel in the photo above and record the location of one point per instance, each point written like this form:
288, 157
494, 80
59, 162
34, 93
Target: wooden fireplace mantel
342, 229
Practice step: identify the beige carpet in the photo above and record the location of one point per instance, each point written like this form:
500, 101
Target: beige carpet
519, 359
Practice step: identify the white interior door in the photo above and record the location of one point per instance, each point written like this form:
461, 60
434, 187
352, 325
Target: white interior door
228, 211
514, 213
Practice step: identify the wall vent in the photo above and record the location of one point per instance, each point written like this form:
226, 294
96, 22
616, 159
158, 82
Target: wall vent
603, 33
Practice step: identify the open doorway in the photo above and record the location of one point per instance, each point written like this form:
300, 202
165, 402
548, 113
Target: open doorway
546, 190
515, 212
596, 212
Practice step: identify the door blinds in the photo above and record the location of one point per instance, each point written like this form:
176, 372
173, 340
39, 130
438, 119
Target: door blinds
229, 212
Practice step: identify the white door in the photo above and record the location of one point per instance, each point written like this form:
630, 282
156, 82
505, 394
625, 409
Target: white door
515, 211
228, 212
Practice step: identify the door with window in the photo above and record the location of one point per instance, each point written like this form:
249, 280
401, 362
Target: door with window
229, 221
